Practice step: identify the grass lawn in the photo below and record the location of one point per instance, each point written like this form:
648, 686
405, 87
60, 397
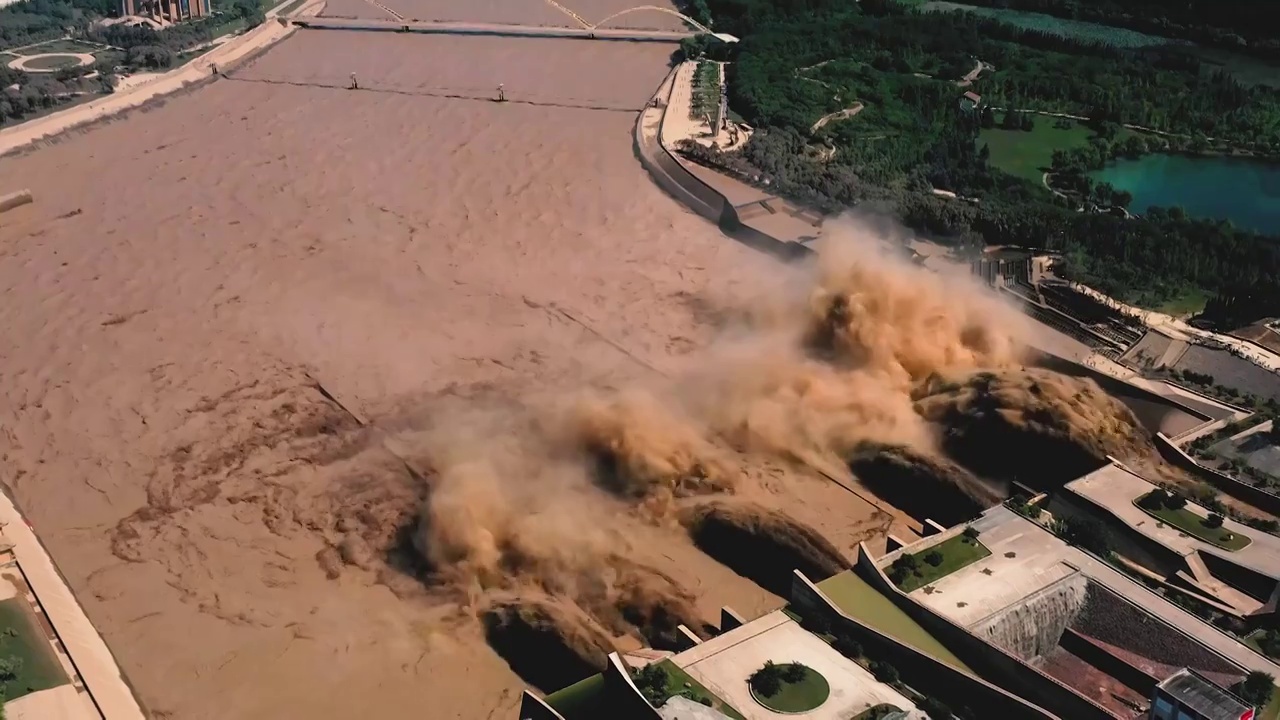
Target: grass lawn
797, 697
22, 641
1185, 305
1029, 154
60, 46
1272, 710
1193, 525
957, 552
57, 62
582, 700
859, 600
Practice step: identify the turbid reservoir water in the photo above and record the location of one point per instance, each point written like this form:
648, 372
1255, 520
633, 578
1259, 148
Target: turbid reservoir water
1244, 191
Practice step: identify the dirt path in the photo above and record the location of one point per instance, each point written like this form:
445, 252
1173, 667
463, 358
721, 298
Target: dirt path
973, 74
837, 115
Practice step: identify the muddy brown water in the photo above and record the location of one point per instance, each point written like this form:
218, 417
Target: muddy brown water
188, 274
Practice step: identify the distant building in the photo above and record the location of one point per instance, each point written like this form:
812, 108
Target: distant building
970, 101
1188, 695
171, 10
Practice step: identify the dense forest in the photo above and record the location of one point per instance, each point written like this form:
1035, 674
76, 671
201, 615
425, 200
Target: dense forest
801, 59
39, 20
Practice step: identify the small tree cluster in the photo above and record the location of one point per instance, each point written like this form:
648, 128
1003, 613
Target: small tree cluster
767, 681
884, 672
1256, 689
653, 683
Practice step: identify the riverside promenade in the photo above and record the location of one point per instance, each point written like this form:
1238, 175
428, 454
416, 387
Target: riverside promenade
92, 660
225, 56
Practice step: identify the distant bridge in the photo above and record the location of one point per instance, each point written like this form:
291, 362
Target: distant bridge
585, 28
498, 29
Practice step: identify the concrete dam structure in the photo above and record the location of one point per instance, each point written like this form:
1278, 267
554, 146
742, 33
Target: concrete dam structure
1032, 628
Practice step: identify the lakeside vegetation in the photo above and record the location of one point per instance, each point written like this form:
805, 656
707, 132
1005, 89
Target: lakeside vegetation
799, 60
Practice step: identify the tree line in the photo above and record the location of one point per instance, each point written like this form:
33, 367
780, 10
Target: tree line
1242, 25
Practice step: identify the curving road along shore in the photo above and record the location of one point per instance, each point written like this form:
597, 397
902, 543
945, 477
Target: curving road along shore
224, 56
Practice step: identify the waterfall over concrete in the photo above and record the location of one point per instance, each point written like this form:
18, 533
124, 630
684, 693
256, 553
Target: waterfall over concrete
1031, 628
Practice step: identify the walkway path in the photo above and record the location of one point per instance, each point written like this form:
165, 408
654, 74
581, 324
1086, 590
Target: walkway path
973, 74
93, 660
837, 115
1069, 116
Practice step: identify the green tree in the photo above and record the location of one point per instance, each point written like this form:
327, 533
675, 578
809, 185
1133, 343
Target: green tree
884, 672
767, 681
1088, 533
1257, 688
652, 681
795, 673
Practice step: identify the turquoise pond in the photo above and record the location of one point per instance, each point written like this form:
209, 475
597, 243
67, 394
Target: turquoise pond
1242, 190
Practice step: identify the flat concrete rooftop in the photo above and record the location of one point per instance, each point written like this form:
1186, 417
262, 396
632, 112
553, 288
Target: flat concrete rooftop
1039, 559
998, 581
724, 663
1116, 488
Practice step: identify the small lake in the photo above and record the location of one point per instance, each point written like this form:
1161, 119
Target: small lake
1242, 190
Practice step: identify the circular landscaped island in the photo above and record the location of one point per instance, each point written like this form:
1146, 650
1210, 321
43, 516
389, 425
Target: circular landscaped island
789, 688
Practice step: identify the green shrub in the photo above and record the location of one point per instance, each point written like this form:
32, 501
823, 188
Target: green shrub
1214, 521
848, 647
884, 672
934, 558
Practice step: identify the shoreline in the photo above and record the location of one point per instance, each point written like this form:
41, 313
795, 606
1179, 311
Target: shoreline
241, 49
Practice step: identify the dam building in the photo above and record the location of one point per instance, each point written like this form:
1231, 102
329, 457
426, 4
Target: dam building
1188, 695
171, 10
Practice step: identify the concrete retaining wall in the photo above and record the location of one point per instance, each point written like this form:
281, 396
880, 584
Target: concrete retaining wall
625, 699
1130, 541
1247, 580
920, 545
533, 708
671, 174
1257, 497
993, 662
14, 199
1078, 645
955, 688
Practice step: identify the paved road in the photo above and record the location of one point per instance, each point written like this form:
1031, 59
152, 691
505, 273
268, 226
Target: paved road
465, 28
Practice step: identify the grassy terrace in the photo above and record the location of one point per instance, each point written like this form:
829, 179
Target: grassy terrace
859, 600
956, 552
583, 700
23, 647
1194, 525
